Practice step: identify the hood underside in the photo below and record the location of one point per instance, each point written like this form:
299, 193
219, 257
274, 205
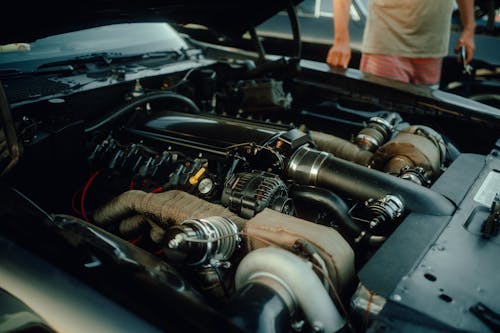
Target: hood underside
26, 22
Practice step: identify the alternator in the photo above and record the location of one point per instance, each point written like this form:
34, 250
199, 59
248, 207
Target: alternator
249, 193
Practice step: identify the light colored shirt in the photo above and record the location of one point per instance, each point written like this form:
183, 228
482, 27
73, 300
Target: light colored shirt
408, 28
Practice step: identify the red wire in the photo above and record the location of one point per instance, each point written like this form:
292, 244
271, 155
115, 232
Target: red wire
136, 240
132, 184
157, 190
160, 251
84, 193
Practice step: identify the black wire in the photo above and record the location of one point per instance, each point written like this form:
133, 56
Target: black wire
221, 280
258, 45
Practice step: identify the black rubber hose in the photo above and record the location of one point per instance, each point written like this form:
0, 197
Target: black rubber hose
312, 167
258, 308
294, 22
338, 208
327, 199
149, 97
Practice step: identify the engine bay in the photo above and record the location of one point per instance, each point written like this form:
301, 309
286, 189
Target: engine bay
264, 187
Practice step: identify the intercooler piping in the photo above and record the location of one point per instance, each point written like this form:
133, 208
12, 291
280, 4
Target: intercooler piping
415, 153
338, 208
312, 167
294, 280
341, 148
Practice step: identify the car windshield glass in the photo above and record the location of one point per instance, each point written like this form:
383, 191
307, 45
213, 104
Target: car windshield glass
123, 39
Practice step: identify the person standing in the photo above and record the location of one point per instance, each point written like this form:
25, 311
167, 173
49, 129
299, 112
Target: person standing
404, 40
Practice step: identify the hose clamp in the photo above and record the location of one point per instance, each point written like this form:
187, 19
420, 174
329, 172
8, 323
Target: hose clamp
316, 166
305, 164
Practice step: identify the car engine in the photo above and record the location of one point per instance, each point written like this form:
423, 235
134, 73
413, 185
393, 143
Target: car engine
277, 199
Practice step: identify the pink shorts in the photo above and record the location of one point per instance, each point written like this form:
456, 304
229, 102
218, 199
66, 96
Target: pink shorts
412, 70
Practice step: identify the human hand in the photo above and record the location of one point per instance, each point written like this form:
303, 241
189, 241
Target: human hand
467, 40
339, 55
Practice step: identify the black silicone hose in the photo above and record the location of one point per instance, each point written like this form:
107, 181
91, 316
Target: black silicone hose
327, 199
312, 167
338, 208
150, 97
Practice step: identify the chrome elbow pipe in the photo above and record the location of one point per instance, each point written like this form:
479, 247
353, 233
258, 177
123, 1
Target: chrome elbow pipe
293, 279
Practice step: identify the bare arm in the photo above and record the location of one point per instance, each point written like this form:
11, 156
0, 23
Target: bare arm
340, 52
466, 8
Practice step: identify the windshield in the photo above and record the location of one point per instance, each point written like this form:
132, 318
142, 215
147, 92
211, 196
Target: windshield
123, 39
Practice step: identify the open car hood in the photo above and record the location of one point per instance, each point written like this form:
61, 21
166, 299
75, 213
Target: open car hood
27, 22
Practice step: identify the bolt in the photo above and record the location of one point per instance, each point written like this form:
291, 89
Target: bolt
175, 242
317, 327
375, 222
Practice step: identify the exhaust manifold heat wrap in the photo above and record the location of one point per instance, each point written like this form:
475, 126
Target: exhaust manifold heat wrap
173, 207
135, 209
